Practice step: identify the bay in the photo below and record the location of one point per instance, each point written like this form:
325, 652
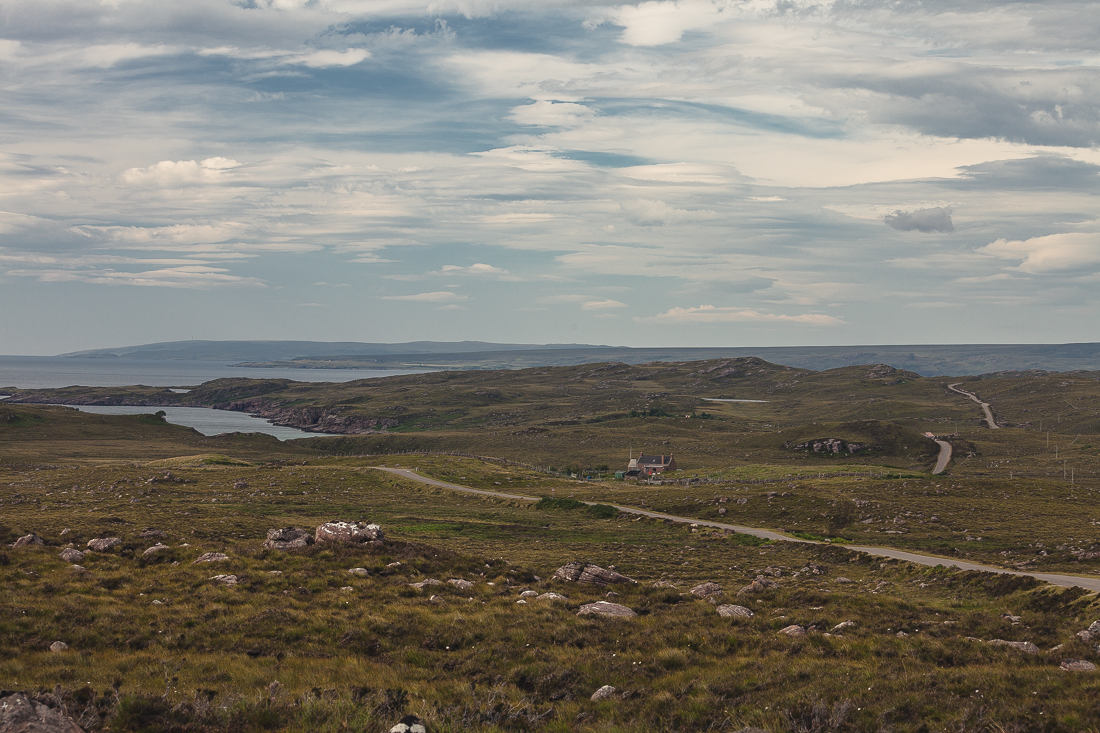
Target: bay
50, 372
206, 420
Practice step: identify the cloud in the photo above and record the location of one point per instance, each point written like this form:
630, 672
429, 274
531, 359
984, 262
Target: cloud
170, 173
439, 296
713, 314
192, 277
937, 219
599, 305
478, 269
649, 213
1049, 254
657, 23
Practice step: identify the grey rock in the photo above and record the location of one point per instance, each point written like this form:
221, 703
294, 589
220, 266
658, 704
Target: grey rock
731, 611
529, 594
150, 533
104, 543
353, 533
71, 555
551, 596
1023, 646
20, 715
225, 579
58, 646
842, 579
425, 583
1092, 632
604, 693
844, 625
603, 608
794, 630
361, 572
1077, 665
581, 572
707, 590
461, 584
409, 724
663, 584
155, 549
211, 557
79, 569
27, 540
759, 585
288, 538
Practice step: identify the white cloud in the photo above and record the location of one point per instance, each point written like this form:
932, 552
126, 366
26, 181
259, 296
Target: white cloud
599, 305
192, 277
1049, 254
713, 314
170, 173
477, 269
657, 23
439, 296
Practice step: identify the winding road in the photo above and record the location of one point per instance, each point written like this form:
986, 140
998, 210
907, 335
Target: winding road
944, 457
985, 405
1065, 581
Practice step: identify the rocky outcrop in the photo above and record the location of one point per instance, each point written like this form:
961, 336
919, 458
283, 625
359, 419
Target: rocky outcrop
759, 585
72, 555
18, 714
461, 584
1077, 665
425, 583
709, 589
827, 445
582, 572
150, 533
604, 693
551, 596
211, 557
28, 540
1092, 632
1023, 646
103, 544
731, 611
340, 531
288, 538
606, 608
225, 579
794, 630
157, 548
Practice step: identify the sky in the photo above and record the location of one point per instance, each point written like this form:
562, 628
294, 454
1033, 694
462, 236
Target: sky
691, 173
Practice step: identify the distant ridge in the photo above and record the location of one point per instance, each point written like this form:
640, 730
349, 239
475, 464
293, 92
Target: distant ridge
927, 360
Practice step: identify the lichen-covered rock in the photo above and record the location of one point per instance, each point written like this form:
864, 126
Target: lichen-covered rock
20, 715
707, 590
582, 572
759, 585
1077, 665
529, 594
1092, 632
155, 549
104, 543
794, 630
288, 538
425, 583
461, 584
28, 540
361, 572
409, 724
59, 646
349, 533
211, 557
1024, 646
225, 579
605, 692
731, 611
551, 596
606, 608
70, 554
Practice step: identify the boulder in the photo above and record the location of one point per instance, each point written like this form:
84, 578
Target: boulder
551, 596
361, 572
70, 554
1077, 665
353, 533
605, 608
605, 692
707, 590
582, 572
1092, 632
104, 543
211, 557
20, 715
425, 583
461, 584
26, 540
151, 533
843, 625
155, 549
663, 584
794, 630
225, 579
409, 724
759, 585
58, 646
731, 611
288, 538
842, 579
1023, 646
